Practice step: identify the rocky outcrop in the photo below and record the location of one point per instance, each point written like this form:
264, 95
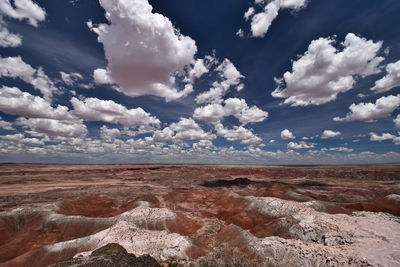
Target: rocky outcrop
336, 239
111, 255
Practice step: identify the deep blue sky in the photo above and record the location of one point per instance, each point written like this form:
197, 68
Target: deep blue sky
63, 42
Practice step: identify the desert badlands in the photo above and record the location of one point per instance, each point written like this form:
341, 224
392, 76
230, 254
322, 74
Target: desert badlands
201, 215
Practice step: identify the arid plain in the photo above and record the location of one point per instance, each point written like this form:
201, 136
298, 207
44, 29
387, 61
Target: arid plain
202, 215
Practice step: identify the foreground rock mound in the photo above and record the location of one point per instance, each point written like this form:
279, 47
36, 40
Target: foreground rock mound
111, 255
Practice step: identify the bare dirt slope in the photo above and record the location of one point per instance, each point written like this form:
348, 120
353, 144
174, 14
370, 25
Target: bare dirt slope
199, 215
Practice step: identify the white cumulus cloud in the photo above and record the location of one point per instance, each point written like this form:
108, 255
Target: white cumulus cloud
341, 149
390, 81
24, 9
370, 112
238, 133
188, 129
101, 76
250, 12
70, 78
324, 71
8, 39
15, 67
236, 107
211, 113
286, 134
231, 78
383, 137
93, 109
6, 125
163, 136
109, 134
329, 134
261, 22
203, 144
144, 50
50, 127
239, 109
14, 101
184, 130
396, 140
397, 121
300, 145
199, 68
21, 10
240, 33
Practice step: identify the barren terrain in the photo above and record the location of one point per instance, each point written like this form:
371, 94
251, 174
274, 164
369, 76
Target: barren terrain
202, 215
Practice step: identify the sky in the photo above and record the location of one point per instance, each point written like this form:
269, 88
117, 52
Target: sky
206, 82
